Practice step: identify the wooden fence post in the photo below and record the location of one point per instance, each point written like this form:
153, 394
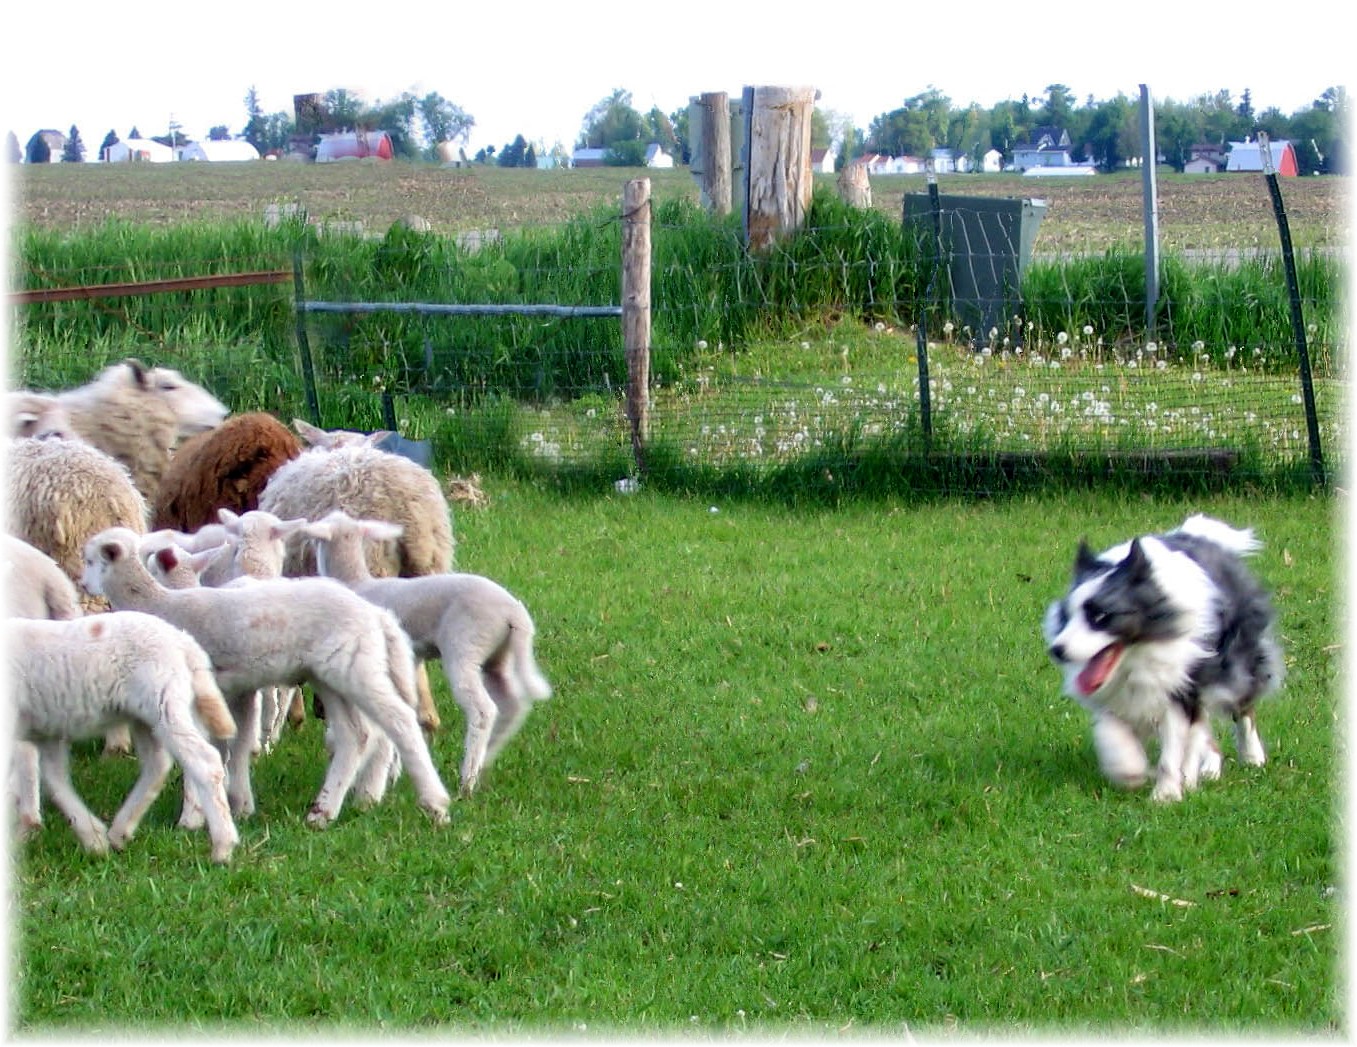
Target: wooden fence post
779, 172
636, 311
709, 121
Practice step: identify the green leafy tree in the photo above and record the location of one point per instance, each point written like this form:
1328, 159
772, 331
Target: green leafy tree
255, 122
610, 121
1177, 128
678, 120
344, 109
220, 133
1111, 132
512, 155
443, 121
74, 150
659, 128
626, 153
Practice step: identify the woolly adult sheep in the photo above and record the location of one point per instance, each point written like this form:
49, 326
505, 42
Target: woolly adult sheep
292, 631
138, 414
343, 470
224, 468
60, 492
74, 679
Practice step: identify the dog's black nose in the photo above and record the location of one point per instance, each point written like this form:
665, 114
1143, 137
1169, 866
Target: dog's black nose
1056, 651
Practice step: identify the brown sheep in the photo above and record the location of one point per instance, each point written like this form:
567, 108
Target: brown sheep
224, 468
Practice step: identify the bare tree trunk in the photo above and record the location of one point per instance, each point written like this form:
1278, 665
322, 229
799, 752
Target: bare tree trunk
779, 172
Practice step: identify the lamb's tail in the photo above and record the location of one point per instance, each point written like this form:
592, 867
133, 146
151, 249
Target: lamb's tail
1240, 542
208, 702
531, 682
400, 659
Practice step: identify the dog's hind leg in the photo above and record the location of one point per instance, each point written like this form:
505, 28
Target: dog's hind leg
1246, 740
1174, 732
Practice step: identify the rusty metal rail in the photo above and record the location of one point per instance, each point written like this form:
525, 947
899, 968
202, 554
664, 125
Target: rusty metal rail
182, 283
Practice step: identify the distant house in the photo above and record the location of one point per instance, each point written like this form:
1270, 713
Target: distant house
55, 142
1047, 147
1248, 156
657, 157
354, 145
992, 161
586, 157
138, 150
1205, 158
219, 150
823, 160
879, 163
949, 161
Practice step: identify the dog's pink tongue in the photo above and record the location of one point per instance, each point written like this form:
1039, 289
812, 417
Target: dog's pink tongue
1098, 669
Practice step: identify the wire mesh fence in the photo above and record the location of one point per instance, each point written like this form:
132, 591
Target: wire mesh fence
901, 351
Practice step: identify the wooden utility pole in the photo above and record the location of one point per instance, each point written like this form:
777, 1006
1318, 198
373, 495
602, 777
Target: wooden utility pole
636, 311
779, 170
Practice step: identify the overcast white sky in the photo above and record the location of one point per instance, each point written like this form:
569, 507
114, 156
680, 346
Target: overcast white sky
536, 69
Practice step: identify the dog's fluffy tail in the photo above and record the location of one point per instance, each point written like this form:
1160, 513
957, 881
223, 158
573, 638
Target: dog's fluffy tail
1239, 542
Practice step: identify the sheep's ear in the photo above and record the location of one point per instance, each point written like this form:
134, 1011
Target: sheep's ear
286, 528
379, 437
167, 558
382, 530
197, 562
138, 369
313, 435
111, 551
227, 517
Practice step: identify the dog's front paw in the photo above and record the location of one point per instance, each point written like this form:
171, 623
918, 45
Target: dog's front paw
1167, 790
1211, 764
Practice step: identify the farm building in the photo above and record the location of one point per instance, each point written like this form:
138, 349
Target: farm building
657, 157
1048, 147
823, 160
216, 151
354, 145
1248, 156
1205, 158
138, 150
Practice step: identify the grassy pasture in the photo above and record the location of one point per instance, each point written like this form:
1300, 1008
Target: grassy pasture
804, 771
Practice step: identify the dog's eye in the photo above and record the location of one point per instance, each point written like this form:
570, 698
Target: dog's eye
1097, 618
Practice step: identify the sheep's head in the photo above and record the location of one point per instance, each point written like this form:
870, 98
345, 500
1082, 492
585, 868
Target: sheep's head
103, 553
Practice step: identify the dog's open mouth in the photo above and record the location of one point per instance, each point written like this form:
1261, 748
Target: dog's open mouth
1099, 668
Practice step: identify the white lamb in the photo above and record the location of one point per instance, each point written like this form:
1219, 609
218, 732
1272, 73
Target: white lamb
35, 587
480, 631
74, 679
293, 631
343, 470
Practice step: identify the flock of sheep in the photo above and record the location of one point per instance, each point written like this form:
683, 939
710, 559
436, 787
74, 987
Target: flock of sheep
175, 573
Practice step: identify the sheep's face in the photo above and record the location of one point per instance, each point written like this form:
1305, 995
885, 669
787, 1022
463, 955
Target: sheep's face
100, 554
194, 407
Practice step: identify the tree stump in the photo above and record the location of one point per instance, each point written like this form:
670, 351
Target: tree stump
780, 179
855, 189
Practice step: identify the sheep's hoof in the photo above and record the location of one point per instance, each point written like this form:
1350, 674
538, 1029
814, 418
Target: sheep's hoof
317, 818
27, 826
439, 816
222, 855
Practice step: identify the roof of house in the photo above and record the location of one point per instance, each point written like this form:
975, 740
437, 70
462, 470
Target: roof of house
1248, 156
221, 149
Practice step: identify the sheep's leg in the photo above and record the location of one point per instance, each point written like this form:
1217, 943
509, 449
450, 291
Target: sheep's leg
54, 761
375, 695
428, 712
118, 741
238, 752
468, 687
345, 737
24, 788
205, 777
512, 709
155, 764
380, 767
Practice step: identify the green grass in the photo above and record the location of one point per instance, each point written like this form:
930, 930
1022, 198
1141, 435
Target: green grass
804, 771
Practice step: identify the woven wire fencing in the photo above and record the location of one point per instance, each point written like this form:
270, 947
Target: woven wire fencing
888, 352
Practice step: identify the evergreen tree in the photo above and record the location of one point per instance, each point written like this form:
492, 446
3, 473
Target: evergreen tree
134, 133
74, 152
512, 154
254, 130
110, 139
530, 157
37, 151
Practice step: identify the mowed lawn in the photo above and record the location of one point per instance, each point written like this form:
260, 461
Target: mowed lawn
804, 771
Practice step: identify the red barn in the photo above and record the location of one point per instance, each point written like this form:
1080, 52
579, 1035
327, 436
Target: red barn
1248, 156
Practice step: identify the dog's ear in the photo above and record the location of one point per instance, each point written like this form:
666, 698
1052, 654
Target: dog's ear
1136, 564
1085, 562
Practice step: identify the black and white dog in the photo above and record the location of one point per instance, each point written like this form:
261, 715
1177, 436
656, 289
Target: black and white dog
1154, 636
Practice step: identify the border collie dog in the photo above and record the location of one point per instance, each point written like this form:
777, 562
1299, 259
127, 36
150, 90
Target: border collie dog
1154, 636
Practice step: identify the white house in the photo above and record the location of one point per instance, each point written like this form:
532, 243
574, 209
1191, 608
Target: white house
143, 150
226, 149
1048, 147
823, 160
992, 162
657, 157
